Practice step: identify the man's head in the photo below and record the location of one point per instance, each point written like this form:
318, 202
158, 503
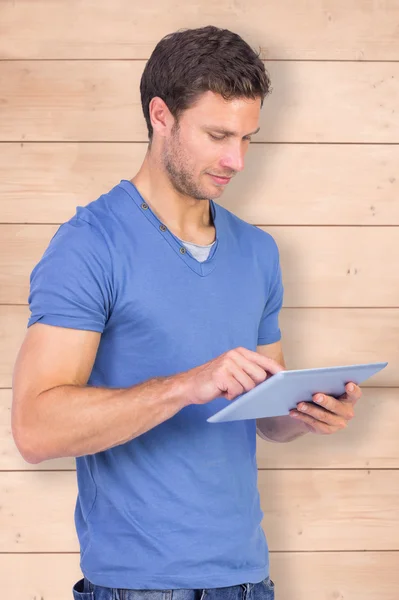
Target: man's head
197, 83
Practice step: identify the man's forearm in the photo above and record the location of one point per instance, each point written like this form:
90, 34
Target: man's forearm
280, 429
71, 421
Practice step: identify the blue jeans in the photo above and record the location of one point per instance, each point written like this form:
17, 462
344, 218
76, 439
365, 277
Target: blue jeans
264, 590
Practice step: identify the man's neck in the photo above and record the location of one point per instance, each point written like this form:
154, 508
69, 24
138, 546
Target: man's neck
188, 220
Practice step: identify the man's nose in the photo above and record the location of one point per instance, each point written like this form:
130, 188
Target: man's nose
233, 160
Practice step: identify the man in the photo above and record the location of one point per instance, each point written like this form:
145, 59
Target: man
151, 309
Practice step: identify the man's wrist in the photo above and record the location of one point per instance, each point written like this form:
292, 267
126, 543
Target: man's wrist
179, 390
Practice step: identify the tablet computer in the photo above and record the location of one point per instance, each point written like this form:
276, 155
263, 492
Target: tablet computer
281, 392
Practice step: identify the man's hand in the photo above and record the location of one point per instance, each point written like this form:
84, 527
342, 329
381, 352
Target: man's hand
232, 373
331, 414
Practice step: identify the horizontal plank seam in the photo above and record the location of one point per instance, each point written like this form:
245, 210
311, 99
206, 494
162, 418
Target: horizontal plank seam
370, 387
270, 143
300, 225
361, 551
259, 469
336, 226
145, 59
287, 307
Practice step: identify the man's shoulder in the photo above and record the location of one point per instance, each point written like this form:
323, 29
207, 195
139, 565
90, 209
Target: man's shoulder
243, 228
90, 228
101, 212
99, 217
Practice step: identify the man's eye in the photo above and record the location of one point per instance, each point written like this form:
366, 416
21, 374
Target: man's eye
247, 139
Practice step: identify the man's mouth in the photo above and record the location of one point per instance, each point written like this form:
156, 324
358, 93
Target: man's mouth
222, 180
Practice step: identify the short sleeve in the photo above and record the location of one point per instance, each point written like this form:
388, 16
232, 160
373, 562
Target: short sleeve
71, 284
269, 331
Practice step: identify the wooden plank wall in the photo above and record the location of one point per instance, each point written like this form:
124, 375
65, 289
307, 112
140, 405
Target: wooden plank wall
322, 177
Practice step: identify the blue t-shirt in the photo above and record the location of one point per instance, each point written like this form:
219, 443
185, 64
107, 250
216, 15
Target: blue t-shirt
178, 506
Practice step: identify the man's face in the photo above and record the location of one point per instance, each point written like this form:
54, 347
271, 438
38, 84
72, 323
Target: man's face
191, 155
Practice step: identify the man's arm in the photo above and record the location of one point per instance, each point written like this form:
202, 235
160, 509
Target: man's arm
54, 414
284, 428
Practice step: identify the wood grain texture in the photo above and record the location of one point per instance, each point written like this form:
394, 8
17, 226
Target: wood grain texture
100, 101
303, 510
326, 266
297, 576
369, 442
354, 30
312, 337
282, 184
327, 156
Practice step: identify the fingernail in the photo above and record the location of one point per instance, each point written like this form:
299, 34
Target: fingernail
319, 398
351, 387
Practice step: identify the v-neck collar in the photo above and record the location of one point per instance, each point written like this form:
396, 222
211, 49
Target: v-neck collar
201, 268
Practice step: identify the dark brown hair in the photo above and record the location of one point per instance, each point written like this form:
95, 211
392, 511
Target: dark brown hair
188, 62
